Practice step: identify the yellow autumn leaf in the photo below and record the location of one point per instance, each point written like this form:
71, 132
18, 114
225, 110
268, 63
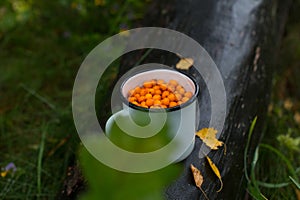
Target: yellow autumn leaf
124, 32
3, 174
198, 178
99, 2
185, 63
216, 171
208, 136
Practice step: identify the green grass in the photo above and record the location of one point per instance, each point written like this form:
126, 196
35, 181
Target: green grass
275, 167
42, 44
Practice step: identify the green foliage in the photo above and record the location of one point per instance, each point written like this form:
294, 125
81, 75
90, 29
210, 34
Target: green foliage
42, 44
107, 183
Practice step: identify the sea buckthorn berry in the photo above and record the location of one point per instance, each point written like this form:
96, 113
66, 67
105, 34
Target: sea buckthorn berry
178, 96
163, 106
143, 104
181, 91
141, 98
148, 96
137, 96
153, 81
171, 88
165, 101
179, 102
143, 92
172, 97
160, 82
149, 102
165, 94
148, 84
157, 92
188, 94
151, 91
178, 87
135, 103
172, 104
156, 97
163, 86
156, 87
184, 99
173, 82
131, 92
137, 90
157, 102
131, 99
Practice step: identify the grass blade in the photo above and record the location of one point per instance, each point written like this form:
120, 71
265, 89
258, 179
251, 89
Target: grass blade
295, 182
39, 163
272, 185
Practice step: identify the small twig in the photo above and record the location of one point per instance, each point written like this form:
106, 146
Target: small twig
39, 97
204, 193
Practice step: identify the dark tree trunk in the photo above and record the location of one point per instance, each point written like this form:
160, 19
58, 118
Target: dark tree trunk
242, 37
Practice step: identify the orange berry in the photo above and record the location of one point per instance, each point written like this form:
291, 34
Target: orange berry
148, 84
149, 102
179, 102
178, 87
157, 92
172, 97
184, 99
159, 82
151, 91
156, 97
131, 99
157, 102
143, 104
141, 98
188, 94
165, 94
156, 87
148, 96
181, 91
153, 81
131, 92
143, 92
163, 106
163, 86
172, 104
171, 88
137, 90
165, 101
178, 96
135, 103
137, 96
173, 82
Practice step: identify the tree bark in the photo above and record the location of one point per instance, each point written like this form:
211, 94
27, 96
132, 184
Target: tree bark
243, 38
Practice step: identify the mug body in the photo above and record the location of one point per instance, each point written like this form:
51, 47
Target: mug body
143, 130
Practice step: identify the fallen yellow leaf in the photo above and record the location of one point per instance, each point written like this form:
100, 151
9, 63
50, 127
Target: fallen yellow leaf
198, 178
185, 63
99, 2
208, 136
3, 174
216, 171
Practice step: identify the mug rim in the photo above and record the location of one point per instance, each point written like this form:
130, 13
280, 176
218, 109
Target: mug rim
178, 107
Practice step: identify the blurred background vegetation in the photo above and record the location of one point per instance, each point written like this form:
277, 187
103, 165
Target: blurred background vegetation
42, 44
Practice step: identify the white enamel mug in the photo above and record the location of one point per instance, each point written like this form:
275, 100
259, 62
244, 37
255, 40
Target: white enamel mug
143, 130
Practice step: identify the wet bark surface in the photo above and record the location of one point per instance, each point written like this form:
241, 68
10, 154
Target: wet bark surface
243, 38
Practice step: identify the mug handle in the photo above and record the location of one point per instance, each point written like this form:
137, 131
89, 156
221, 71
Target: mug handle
111, 119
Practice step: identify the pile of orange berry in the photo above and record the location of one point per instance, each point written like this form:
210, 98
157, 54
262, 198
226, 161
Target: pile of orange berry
159, 94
